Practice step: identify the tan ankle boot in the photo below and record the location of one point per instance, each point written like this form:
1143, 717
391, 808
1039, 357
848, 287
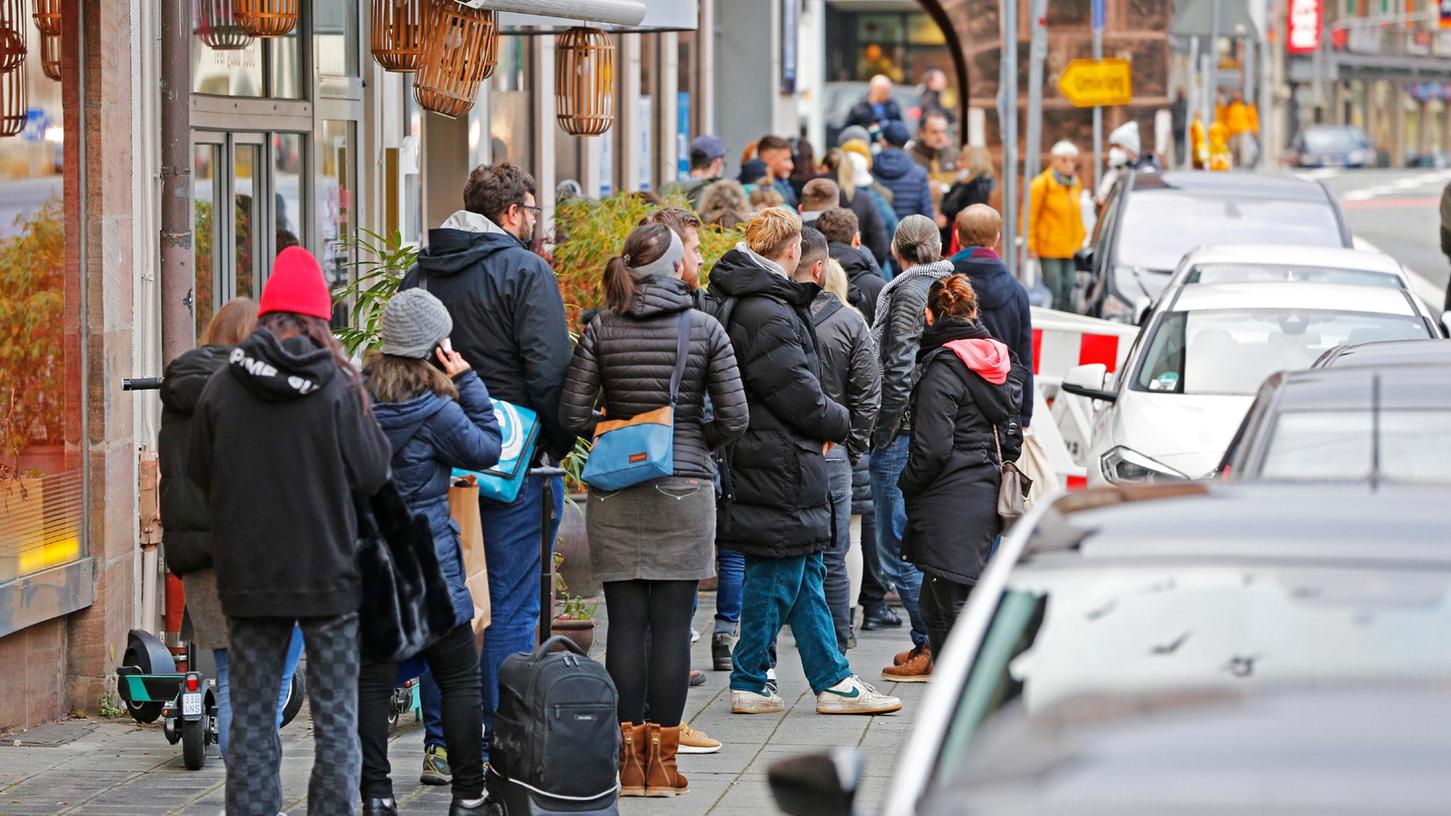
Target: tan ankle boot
662, 777
632, 759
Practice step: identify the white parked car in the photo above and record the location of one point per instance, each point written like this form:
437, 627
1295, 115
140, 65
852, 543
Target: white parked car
1192, 373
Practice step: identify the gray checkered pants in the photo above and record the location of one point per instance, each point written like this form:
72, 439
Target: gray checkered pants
254, 755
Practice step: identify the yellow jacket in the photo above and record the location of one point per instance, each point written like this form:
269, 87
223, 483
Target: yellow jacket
1237, 118
1056, 219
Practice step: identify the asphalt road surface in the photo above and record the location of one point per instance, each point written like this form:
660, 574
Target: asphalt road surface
1397, 211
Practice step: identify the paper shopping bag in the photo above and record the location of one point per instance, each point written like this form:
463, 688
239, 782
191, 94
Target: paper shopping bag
463, 507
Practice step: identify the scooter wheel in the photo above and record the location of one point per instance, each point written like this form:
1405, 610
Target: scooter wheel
193, 744
295, 696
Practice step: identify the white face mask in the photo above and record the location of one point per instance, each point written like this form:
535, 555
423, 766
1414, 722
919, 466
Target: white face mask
1117, 157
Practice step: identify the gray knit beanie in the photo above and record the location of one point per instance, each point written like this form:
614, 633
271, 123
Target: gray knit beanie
413, 323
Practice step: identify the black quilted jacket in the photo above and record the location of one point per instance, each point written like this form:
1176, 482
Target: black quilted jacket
623, 364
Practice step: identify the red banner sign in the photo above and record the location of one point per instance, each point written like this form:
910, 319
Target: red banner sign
1306, 20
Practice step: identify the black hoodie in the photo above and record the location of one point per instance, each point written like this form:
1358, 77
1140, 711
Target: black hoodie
280, 446
508, 316
775, 485
187, 530
864, 279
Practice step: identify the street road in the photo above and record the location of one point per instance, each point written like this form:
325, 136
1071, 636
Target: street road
1398, 212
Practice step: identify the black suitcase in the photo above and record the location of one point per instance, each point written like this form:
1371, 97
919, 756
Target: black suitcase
556, 742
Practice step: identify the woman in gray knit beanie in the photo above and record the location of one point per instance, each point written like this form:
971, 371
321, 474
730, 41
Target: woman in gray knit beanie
437, 416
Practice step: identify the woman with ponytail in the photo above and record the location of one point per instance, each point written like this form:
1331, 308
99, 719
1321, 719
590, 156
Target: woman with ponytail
652, 542
281, 444
964, 424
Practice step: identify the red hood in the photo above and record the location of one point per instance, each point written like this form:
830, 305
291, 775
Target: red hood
989, 358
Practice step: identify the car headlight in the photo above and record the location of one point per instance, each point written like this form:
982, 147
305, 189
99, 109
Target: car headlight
1124, 466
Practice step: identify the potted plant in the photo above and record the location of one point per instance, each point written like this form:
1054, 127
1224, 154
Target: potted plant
574, 616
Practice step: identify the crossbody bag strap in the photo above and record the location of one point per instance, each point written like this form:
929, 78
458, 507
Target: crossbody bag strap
997, 442
682, 352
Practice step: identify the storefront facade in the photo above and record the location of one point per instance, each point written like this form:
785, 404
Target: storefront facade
301, 138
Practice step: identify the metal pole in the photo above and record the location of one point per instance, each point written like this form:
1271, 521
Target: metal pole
178, 323
1098, 10
1033, 143
1247, 65
1191, 103
1008, 125
1212, 77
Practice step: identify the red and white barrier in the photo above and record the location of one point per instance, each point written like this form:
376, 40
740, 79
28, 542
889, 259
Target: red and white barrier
1062, 341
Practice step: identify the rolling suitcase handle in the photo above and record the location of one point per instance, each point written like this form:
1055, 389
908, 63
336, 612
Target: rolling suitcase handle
546, 551
558, 640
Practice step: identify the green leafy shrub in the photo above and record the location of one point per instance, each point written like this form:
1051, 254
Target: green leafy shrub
32, 333
382, 263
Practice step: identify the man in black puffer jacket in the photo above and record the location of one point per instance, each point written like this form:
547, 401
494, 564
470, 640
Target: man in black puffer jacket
776, 506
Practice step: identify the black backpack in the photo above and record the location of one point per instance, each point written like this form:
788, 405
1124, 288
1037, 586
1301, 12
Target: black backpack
556, 729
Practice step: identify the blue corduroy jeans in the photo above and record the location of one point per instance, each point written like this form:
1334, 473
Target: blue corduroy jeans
782, 591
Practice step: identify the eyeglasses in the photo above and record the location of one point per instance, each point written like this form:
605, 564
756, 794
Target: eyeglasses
538, 211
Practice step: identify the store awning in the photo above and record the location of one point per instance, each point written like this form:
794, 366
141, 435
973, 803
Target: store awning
551, 16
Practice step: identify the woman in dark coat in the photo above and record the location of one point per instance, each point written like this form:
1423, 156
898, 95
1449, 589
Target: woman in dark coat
437, 416
652, 542
964, 406
188, 529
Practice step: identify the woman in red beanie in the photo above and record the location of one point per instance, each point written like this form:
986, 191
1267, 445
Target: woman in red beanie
281, 443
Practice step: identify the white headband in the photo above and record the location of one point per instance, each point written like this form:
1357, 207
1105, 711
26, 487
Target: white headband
665, 264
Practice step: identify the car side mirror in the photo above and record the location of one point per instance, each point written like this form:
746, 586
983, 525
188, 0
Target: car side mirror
1142, 307
822, 784
1083, 260
1087, 381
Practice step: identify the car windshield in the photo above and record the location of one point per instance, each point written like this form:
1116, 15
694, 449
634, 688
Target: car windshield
1224, 351
1084, 642
1288, 273
1159, 226
1404, 445
1332, 139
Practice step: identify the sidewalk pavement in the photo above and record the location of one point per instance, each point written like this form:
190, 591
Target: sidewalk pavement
118, 768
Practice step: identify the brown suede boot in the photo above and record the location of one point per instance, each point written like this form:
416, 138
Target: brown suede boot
662, 777
632, 759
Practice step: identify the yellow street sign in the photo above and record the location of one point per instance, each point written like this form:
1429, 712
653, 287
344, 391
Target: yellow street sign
1089, 83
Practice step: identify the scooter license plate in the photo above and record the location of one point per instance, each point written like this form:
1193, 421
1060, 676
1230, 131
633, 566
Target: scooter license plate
191, 704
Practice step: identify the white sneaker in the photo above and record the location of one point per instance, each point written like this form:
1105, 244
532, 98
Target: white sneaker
754, 702
694, 635
771, 687
854, 696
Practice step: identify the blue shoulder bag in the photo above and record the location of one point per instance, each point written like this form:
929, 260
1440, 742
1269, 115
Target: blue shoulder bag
630, 451
519, 430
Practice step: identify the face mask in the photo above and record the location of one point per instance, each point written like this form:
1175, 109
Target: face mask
1117, 157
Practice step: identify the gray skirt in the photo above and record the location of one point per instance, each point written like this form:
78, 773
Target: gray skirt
662, 530
204, 607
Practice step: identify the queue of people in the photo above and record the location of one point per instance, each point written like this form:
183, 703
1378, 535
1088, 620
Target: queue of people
786, 380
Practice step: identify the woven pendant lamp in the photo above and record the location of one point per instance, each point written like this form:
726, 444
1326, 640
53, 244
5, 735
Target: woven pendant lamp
460, 50
47, 16
584, 81
12, 34
216, 26
397, 34
12, 102
265, 18
50, 55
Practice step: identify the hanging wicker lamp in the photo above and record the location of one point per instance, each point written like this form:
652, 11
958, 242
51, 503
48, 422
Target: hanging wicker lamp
12, 34
584, 81
47, 16
50, 55
265, 18
218, 28
460, 49
398, 34
12, 102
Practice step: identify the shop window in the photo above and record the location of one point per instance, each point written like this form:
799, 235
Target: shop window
264, 67
336, 195
511, 110
335, 39
41, 340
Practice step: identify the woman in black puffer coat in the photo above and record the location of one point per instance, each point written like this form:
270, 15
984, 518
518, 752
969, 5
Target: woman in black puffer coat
964, 407
652, 542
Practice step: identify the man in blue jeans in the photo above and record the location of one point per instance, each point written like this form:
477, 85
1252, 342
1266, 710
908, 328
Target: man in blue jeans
509, 324
775, 507
897, 331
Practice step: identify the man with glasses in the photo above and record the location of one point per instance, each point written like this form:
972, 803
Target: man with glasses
509, 324
1055, 223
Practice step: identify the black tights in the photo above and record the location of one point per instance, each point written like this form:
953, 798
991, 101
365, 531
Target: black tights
648, 647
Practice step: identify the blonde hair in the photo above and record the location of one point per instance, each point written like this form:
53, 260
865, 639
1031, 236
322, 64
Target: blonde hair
763, 198
724, 203
978, 225
977, 160
231, 324
771, 230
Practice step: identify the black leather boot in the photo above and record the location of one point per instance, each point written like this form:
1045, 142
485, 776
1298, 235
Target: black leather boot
380, 806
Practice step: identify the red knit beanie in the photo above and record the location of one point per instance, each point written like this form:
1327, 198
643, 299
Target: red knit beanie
296, 285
